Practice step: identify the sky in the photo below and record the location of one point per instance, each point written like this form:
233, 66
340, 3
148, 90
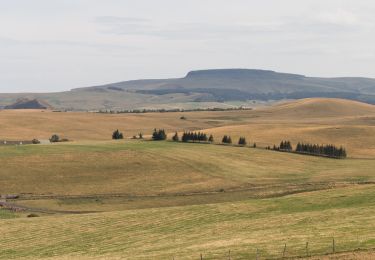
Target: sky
56, 45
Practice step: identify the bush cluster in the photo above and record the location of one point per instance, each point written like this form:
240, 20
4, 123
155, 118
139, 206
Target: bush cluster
226, 139
159, 135
242, 141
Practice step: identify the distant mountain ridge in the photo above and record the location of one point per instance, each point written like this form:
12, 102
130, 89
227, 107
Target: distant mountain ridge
207, 88
262, 81
26, 103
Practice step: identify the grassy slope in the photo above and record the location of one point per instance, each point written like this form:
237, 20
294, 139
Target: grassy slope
212, 229
151, 168
26, 125
355, 138
239, 220
341, 122
5, 214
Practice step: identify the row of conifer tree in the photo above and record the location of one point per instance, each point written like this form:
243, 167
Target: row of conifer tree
194, 137
286, 146
312, 149
323, 150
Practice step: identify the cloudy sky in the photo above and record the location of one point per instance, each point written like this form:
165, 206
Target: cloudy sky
53, 45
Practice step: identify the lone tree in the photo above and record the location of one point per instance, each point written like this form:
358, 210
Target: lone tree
211, 139
140, 136
175, 137
117, 135
242, 141
54, 139
159, 135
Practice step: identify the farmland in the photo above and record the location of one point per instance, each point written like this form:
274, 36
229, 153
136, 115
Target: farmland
140, 199
212, 229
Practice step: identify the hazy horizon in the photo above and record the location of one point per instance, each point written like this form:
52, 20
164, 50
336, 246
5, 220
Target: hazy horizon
49, 46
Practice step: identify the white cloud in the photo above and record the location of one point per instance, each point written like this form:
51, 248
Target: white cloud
54, 45
338, 17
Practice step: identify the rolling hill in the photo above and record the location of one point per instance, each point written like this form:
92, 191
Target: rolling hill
164, 200
317, 120
322, 108
96, 198
26, 103
205, 88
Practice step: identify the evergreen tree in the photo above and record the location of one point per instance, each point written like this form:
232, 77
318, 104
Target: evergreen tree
211, 139
185, 137
242, 141
159, 135
175, 137
117, 135
194, 136
321, 150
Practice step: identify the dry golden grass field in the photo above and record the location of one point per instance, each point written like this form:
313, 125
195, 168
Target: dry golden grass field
139, 199
341, 122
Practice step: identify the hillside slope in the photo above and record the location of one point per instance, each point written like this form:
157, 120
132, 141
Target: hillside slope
341, 122
243, 227
26, 103
322, 121
322, 107
206, 88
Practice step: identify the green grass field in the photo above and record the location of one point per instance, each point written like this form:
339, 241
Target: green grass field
159, 200
146, 168
139, 199
212, 229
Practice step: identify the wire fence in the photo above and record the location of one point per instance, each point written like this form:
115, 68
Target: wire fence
318, 246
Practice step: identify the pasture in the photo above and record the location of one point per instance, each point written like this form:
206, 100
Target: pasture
185, 232
340, 122
98, 198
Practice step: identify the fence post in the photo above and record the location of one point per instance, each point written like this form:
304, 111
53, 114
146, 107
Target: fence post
307, 249
333, 246
257, 255
229, 255
284, 251
201, 257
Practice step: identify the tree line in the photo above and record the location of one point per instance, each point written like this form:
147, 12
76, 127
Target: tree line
195, 137
329, 150
139, 111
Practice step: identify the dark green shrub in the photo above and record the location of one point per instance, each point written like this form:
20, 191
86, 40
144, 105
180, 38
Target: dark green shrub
159, 135
35, 141
117, 135
54, 139
175, 137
